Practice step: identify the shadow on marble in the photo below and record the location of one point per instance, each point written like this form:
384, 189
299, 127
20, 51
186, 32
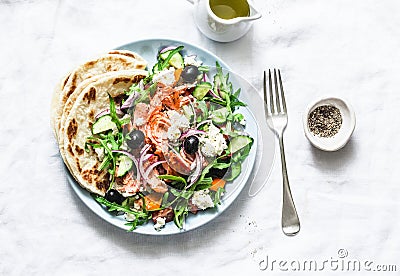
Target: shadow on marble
337, 160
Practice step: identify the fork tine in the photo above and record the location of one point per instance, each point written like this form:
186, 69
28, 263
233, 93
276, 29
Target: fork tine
278, 105
282, 92
265, 92
271, 99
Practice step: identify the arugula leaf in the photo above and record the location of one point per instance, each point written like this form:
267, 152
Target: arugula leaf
235, 102
164, 201
134, 88
204, 111
113, 112
126, 120
238, 117
175, 192
181, 211
203, 68
173, 177
217, 196
145, 94
186, 194
221, 82
204, 183
106, 162
135, 223
140, 216
221, 165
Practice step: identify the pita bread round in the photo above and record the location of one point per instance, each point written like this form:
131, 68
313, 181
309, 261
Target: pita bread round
54, 101
100, 65
71, 101
78, 126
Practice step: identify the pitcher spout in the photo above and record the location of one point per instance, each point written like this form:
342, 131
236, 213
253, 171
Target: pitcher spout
254, 13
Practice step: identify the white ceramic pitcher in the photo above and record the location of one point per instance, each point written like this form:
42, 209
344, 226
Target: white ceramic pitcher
219, 29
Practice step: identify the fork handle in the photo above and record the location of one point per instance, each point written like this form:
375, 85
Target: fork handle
290, 219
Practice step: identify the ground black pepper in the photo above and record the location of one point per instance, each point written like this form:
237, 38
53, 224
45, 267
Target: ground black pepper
325, 121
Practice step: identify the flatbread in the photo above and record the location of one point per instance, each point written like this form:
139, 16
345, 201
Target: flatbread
55, 101
78, 125
103, 64
71, 101
141, 62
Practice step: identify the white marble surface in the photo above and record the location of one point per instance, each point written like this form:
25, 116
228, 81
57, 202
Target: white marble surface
346, 199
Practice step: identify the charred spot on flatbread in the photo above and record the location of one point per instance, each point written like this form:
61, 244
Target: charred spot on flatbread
72, 88
90, 95
91, 63
103, 184
91, 114
70, 149
128, 54
65, 81
72, 129
79, 150
138, 78
122, 79
78, 165
94, 176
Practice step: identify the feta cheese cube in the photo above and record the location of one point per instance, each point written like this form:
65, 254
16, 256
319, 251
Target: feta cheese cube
160, 223
191, 60
173, 133
202, 199
213, 143
166, 76
129, 217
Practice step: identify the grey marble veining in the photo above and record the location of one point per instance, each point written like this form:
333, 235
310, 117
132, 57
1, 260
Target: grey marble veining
346, 199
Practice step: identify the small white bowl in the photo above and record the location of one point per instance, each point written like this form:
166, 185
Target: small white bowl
340, 139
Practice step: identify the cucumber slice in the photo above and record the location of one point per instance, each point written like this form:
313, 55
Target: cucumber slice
234, 170
104, 123
219, 116
201, 90
176, 60
125, 164
155, 68
165, 54
239, 142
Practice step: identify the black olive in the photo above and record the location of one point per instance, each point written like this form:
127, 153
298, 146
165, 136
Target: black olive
191, 144
190, 73
114, 196
137, 139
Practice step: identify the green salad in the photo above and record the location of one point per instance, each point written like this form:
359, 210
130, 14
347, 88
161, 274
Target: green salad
172, 143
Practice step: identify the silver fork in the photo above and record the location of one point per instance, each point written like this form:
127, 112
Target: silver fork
277, 119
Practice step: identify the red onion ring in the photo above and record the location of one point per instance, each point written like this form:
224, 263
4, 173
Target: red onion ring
151, 167
168, 48
199, 166
191, 132
129, 101
107, 111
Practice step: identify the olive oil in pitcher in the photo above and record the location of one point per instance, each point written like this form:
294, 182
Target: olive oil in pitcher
229, 9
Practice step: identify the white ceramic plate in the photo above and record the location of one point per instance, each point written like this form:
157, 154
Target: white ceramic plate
148, 49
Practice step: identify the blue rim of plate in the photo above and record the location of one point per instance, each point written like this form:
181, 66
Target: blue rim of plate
148, 48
